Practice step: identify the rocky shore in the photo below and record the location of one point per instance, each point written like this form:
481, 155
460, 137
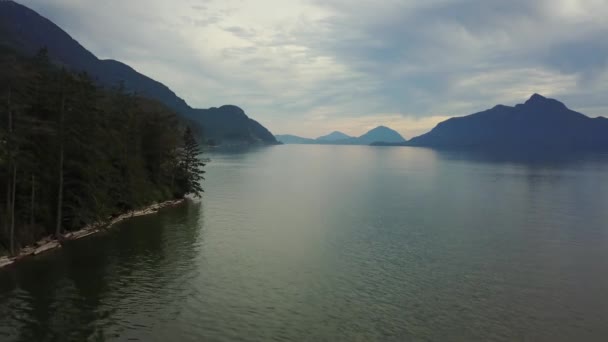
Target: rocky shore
50, 243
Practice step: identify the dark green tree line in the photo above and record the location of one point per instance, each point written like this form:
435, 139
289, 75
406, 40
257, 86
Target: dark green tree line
190, 166
72, 153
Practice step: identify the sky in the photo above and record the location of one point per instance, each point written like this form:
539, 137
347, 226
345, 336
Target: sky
309, 67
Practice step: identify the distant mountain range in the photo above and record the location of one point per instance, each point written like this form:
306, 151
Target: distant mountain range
25, 31
380, 134
333, 136
540, 124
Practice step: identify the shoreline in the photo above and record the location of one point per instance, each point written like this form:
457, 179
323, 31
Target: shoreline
50, 243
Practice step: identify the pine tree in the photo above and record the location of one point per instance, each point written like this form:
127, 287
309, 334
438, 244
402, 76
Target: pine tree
10, 182
61, 137
190, 166
72, 153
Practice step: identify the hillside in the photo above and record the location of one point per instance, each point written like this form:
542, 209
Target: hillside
539, 123
25, 31
380, 134
294, 139
334, 136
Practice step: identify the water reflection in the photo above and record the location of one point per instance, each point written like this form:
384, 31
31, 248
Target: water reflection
102, 286
339, 243
529, 158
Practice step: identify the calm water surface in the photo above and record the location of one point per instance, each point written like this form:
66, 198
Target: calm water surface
339, 243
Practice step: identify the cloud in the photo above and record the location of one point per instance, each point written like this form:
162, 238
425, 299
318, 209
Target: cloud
290, 62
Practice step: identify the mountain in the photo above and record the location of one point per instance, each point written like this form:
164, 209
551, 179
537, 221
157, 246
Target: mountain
334, 136
25, 31
294, 139
539, 123
380, 134
230, 124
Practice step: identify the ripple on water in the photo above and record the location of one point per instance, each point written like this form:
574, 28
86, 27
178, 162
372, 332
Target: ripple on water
338, 243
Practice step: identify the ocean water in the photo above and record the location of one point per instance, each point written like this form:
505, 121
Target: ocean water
339, 243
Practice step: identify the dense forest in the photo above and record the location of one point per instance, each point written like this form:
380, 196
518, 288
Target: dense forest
72, 153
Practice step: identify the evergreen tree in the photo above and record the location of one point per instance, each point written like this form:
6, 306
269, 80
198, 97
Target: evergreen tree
72, 153
190, 166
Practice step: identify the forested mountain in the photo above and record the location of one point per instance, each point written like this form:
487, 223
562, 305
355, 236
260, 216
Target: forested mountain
72, 153
229, 124
294, 139
24, 30
380, 134
539, 123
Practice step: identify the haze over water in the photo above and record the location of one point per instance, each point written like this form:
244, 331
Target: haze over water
309, 242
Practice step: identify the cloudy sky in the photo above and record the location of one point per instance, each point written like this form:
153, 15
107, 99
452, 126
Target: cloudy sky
308, 67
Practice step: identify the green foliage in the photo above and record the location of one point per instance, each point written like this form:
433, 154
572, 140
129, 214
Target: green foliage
82, 153
191, 171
